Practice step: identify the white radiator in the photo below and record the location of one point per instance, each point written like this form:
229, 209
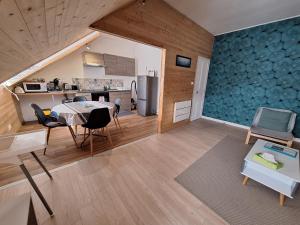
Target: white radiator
182, 110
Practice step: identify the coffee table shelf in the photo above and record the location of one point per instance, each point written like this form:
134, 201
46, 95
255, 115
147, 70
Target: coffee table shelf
284, 180
283, 186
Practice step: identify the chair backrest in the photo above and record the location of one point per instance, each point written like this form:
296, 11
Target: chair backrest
98, 118
275, 119
117, 107
79, 99
117, 101
39, 114
116, 110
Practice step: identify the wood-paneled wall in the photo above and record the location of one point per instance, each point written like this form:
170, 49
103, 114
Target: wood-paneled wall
157, 23
9, 115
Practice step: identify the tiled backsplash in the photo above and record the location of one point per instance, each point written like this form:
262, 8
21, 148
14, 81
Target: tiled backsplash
93, 84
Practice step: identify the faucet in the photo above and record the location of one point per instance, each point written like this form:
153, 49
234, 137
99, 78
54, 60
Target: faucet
110, 84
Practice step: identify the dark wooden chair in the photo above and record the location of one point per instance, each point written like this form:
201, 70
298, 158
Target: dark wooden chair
78, 99
98, 119
116, 112
50, 122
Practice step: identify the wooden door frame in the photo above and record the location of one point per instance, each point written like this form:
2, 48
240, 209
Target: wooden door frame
161, 89
202, 80
162, 73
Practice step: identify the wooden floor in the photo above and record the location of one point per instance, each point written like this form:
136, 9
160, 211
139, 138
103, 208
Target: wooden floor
131, 184
62, 150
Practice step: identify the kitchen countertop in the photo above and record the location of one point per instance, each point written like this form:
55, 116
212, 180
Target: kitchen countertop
48, 93
69, 92
118, 90
102, 90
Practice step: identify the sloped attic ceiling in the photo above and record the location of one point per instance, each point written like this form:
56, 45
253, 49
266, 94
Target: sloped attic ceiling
31, 30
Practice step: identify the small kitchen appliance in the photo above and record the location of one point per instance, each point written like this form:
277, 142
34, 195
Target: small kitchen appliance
35, 86
67, 86
56, 84
74, 87
19, 90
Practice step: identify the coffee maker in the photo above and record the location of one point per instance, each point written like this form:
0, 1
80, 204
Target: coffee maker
54, 85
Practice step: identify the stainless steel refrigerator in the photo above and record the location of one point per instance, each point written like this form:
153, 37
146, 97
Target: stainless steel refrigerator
147, 88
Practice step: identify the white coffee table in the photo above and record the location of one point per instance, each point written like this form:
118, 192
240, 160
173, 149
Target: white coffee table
284, 180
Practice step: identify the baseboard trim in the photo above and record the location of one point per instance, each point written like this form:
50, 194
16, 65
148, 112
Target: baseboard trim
225, 122
234, 124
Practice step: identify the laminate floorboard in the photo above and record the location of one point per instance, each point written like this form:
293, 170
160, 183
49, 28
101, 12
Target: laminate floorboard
62, 150
131, 184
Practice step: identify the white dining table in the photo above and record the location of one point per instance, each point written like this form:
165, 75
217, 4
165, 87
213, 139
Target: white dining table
76, 113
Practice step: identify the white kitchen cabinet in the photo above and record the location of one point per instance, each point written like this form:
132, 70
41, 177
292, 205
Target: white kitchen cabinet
118, 65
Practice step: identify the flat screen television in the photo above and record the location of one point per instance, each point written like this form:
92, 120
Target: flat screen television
183, 61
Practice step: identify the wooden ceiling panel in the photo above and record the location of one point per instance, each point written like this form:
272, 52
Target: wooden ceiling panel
31, 30
33, 12
12, 23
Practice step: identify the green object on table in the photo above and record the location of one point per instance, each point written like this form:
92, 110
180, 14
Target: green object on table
274, 166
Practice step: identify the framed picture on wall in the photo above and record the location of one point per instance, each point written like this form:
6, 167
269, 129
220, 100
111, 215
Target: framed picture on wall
183, 61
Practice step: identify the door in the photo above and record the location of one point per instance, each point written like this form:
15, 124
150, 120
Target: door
199, 87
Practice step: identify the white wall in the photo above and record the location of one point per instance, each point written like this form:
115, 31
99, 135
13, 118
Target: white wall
44, 101
71, 66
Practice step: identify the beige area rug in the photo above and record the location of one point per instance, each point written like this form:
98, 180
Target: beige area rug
215, 179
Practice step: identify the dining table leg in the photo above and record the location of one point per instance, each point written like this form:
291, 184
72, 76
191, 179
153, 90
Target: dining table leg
37, 190
73, 135
91, 143
76, 130
108, 136
84, 133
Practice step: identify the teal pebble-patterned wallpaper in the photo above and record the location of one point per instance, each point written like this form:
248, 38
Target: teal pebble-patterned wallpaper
255, 67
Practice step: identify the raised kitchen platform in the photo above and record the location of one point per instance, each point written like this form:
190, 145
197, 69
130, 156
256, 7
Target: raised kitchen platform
49, 93
50, 99
68, 92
